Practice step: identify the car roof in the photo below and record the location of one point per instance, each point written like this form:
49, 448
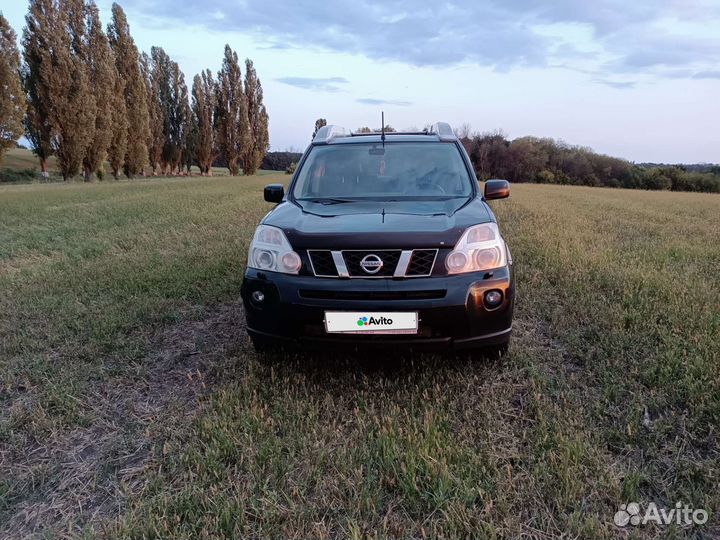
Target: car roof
377, 138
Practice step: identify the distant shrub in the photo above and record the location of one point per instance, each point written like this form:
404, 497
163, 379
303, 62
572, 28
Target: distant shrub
546, 177
22, 176
279, 161
657, 179
700, 182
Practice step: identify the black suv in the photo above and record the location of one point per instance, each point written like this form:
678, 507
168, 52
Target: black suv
382, 240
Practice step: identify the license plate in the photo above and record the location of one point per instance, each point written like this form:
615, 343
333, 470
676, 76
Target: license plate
371, 322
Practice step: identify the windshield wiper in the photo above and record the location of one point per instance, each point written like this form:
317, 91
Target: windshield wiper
325, 200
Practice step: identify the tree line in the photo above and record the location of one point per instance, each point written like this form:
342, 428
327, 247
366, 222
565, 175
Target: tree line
547, 161
87, 96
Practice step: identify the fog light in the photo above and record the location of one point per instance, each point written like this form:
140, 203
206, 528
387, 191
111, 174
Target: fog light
257, 297
493, 299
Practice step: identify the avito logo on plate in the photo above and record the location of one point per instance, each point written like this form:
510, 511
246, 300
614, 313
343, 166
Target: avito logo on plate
370, 321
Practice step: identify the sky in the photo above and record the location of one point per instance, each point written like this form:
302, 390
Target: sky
638, 79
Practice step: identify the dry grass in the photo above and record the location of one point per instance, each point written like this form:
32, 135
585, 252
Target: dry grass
132, 405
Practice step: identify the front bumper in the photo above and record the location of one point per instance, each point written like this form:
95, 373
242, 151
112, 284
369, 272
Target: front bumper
452, 315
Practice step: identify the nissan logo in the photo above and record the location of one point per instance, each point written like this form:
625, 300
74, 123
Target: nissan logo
371, 263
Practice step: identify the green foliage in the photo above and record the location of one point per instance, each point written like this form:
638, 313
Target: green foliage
659, 178
57, 73
279, 161
37, 124
136, 123
12, 99
546, 161
172, 96
258, 140
320, 122
204, 107
546, 177
102, 72
20, 176
233, 132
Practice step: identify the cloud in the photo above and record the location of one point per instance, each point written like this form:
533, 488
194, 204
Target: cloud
373, 101
613, 36
326, 84
620, 85
707, 75
647, 52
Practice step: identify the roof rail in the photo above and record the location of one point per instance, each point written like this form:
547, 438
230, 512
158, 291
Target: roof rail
326, 133
443, 130
387, 133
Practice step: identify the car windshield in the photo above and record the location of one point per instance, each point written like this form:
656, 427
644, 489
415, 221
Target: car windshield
369, 171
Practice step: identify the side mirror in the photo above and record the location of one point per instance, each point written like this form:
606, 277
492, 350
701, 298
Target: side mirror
274, 193
497, 189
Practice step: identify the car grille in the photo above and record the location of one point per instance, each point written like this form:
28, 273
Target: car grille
421, 262
322, 263
373, 295
395, 263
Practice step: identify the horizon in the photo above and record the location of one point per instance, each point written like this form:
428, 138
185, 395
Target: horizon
640, 85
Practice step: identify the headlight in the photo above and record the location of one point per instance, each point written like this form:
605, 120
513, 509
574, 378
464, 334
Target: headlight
480, 248
270, 250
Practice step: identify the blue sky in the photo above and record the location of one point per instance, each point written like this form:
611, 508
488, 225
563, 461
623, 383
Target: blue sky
637, 79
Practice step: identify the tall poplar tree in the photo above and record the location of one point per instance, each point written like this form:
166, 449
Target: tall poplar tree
119, 134
191, 140
102, 74
12, 97
127, 61
160, 75
173, 99
204, 105
71, 111
258, 140
232, 118
39, 25
156, 139
179, 118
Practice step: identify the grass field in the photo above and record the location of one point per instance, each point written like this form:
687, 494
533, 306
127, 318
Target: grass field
131, 404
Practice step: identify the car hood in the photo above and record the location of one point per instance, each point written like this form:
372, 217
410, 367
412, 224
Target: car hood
372, 224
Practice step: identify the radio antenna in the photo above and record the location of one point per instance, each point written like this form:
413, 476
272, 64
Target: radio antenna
382, 129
